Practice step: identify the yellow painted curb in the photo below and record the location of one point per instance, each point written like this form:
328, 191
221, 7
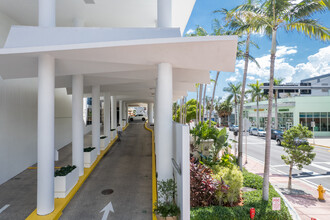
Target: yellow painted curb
124, 128
154, 179
61, 203
317, 145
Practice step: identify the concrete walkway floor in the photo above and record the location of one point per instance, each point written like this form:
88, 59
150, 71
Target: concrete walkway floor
123, 177
126, 169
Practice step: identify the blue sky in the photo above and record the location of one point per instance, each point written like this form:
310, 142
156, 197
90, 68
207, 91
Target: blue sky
298, 57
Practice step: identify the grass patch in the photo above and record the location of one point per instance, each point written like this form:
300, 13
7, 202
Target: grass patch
251, 200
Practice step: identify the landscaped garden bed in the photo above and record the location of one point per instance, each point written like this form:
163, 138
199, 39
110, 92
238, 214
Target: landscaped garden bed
216, 182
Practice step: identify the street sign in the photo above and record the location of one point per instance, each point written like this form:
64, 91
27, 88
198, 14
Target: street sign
276, 203
313, 124
246, 124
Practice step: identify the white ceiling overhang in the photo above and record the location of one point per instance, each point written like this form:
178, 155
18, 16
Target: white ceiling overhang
127, 67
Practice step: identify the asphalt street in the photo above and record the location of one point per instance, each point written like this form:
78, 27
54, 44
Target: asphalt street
318, 172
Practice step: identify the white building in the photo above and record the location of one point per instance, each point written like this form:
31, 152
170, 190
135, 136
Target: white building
126, 51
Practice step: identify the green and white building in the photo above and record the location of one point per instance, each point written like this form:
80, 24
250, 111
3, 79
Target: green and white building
296, 107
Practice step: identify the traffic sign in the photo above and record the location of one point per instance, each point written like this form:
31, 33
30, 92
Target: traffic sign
276, 203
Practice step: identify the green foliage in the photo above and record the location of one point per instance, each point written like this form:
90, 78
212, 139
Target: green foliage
251, 199
233, 177
165, 206
64, 170
298, 150
191, 111
89, 149
252, 180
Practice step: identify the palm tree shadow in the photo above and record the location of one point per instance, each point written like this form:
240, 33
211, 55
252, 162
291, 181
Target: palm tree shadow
299, 197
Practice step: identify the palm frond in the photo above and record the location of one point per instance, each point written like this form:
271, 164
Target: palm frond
311, 28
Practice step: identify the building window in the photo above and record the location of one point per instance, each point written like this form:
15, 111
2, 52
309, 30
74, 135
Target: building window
325, 90
321, 119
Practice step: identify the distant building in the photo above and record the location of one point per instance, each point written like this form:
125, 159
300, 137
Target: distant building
298, 103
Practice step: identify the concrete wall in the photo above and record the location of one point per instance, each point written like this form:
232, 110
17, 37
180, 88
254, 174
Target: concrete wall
18, 118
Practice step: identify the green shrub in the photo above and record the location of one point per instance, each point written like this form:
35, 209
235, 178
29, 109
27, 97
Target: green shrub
251, 199
234, 179
64, 170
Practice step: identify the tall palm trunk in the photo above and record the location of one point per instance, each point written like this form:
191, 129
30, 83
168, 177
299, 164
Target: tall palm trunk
200, 102
240, 123
265, 189
204, 102
276, 112
236, 110
211, 107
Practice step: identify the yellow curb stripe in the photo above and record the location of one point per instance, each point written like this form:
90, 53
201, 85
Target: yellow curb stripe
61, 203
154, 180
317, 145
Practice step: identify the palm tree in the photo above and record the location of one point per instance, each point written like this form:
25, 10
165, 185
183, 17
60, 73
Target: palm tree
224, 110
289, 15
204, 101
234, 94
256, 95
200, 102
243, 23
276, 83
212, 99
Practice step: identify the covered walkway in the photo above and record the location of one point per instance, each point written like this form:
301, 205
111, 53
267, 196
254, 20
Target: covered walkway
125, 170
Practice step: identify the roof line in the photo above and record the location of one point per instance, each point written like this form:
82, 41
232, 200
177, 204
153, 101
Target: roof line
316, 77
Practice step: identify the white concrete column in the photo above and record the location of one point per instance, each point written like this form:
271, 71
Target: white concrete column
107, 116
113, 116
151, 113
165, 125
78, 123
96, 118
46, 123
47, 13
164, 13
120, 113
126, 113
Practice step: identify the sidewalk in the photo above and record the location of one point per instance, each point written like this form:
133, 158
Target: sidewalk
320, 141
302, 196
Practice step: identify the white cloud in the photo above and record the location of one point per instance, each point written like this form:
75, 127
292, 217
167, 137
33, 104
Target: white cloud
251, 77
231, 79
318, 64
190, 31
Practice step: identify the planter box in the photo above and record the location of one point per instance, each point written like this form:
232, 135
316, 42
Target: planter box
64, 184
103, 143
167, 218
89, 158
113, 134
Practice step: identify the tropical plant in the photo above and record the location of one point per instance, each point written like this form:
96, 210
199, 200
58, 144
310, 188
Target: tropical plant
243, 23
290, 15
203, 186
256, 95
233, 177
165, 206
234, 94
224, 110
299, 152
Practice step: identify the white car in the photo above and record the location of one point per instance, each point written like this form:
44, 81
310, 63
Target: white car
261, 132
138, 117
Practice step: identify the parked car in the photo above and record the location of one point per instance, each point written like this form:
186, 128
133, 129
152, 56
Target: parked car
261, 132
275, 132
254, 131
279, 139
138, 117
233, 128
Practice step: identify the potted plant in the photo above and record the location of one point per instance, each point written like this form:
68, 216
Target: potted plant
90, 155
165, 207
103, 143
65, 179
